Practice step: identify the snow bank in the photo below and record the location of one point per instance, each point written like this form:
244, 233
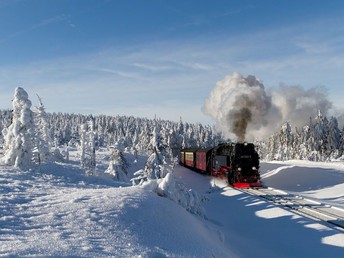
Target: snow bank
178, 193
60, 212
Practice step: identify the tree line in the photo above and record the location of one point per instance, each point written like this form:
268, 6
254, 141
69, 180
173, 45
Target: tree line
320, 139
31, 136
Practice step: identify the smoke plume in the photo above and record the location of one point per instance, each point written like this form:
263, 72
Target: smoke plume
244, 110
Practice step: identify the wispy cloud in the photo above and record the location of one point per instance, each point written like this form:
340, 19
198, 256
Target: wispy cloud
30, 28
153, 68
172, 79
127, 75
197, 66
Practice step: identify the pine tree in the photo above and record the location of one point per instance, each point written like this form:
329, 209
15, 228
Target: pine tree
18, 136
341, 145
333, 138
320, 134
87, 148
118, 166
159, 158
83, 143
174, 143
42, 138
286, 140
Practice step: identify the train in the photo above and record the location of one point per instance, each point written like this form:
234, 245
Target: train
238, 163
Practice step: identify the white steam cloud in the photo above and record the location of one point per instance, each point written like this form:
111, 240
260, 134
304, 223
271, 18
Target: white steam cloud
244, 110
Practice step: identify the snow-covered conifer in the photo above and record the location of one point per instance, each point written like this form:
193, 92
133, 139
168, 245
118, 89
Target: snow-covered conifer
341, 145
87, 148
144, 138
158, 159
42, 137
333, 138
18, 136
286, 140
175, 143
320, 134
83, 142
118, 166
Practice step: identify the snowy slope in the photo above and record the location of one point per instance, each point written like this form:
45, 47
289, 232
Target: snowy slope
317, 180
57, 211
252, 227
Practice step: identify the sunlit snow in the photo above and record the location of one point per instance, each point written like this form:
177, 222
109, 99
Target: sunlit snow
58, 211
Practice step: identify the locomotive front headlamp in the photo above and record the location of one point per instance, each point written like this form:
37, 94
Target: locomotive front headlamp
254, 168
239, 169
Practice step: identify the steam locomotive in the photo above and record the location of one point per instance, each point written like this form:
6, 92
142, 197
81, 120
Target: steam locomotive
237, 162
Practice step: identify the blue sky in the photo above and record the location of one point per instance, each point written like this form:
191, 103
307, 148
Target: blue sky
161, 57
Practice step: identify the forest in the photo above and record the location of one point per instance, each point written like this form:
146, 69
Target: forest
30, 136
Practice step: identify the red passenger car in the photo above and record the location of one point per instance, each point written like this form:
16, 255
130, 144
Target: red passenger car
202, 160
188, 157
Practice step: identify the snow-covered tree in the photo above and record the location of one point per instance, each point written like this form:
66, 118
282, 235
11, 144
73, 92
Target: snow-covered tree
333, 138
341, 145
118, 166
158, 159
320, 134
87, 148
175, 143
42, 137
285, 142
83, 143
18, 136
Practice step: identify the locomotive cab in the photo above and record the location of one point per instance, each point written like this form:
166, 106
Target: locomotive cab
221, 160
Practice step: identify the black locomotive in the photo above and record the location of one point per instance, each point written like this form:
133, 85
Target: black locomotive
237, 162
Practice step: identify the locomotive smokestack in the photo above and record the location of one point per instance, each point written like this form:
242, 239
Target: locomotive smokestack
243, 109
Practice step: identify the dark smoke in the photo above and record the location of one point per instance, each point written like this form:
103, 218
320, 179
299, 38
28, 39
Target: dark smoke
240, 119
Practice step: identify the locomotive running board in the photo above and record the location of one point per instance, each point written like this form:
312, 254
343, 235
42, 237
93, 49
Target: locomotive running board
246, 185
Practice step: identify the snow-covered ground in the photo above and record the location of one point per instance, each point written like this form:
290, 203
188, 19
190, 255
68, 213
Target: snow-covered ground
318, 180
58, 211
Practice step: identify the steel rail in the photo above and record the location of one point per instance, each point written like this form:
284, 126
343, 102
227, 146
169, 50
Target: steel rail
301, 205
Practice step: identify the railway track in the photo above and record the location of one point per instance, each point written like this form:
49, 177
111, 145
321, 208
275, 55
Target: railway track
331, 215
